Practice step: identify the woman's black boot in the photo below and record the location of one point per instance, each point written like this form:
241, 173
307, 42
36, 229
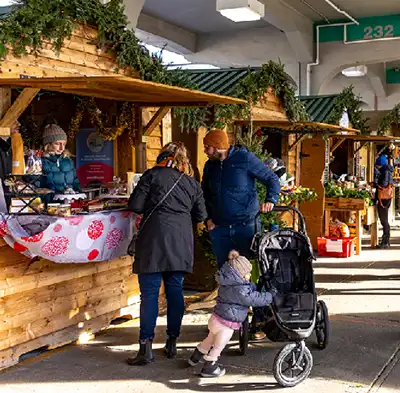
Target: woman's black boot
170, 347
144, 356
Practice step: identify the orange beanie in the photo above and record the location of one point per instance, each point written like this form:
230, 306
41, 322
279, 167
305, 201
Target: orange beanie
218, 139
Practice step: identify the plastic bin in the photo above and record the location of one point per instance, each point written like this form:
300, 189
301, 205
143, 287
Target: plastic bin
336, 247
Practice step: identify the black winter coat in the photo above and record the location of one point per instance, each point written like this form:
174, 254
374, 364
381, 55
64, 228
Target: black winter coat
165, 242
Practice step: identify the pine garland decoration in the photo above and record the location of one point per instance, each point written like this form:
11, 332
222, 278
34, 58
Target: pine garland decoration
350, 102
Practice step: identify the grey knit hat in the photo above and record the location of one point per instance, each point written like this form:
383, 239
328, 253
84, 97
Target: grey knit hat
53, 133
241, 264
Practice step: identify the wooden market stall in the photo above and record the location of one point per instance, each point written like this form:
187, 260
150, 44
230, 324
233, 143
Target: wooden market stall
47, 304
365, 214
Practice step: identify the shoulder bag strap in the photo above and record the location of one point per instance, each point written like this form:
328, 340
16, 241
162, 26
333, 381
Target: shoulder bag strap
162, 200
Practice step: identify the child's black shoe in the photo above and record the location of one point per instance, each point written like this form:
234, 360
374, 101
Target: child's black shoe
212, 370
196, 358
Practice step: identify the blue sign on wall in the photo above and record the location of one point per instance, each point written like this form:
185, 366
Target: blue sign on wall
94, 157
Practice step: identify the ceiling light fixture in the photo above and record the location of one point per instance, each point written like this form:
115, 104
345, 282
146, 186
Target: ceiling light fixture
241, 10
355, 71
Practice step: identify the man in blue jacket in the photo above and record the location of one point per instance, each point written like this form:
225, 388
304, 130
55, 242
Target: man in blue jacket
229, 186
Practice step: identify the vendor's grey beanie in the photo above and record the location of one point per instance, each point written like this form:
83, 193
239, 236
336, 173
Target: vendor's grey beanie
53, 133
241, 264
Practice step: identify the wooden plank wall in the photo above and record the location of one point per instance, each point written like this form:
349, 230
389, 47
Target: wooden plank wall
77, 57
312, 172
50, 304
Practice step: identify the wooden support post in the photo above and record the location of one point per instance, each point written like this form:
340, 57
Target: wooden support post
337, 144
297, 141
155, 120
5, 100
18, 107
166, 127
140, 147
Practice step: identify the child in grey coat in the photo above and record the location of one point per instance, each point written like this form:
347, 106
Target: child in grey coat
235, 295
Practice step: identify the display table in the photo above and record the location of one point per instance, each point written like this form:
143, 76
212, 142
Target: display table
85, 238
361, 211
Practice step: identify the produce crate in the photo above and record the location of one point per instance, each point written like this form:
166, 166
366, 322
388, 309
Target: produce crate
336, 247
352, 203
346, 203
332, 202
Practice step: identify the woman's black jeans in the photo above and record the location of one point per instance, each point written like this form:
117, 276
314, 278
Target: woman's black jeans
150, 284
383, 213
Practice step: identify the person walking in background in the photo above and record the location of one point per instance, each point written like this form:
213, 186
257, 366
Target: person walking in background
170, 199
235, 295
383, 181
229, 185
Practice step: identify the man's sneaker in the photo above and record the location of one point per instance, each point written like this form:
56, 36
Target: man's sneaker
196, 358
212, 370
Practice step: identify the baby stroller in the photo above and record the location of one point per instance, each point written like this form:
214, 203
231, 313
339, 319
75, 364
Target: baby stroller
285, 259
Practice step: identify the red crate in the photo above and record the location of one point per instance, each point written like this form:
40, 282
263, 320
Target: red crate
339, 247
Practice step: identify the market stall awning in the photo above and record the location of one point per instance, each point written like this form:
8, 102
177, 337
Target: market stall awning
363, 139
301, 127
122, 88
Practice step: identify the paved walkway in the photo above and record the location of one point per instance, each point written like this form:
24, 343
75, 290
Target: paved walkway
363, 296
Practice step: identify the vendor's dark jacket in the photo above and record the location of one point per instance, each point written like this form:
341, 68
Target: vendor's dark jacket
230, 187
165, 242
383, 177
5, 158
59, 173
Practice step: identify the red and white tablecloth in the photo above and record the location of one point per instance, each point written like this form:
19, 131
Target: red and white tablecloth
77, 239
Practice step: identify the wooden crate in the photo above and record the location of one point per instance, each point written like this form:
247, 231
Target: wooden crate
346, 203
352, 203
332, 203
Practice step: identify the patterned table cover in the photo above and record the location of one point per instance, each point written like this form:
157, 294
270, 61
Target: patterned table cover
87, 238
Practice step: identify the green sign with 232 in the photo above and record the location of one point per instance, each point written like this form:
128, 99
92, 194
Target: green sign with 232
371, 28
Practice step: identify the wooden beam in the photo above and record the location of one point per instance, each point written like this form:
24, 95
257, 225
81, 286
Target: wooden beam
18, 107
155, 120
337, 144
5, 100
362, 144
140, 146
297, 141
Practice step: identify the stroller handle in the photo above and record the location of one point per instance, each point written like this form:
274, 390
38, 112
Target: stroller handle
284, 209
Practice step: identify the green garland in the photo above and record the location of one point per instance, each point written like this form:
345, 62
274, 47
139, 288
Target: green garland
33, 21
392, 118
350, 102
252, 88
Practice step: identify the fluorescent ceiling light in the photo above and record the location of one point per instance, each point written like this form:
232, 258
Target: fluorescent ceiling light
241, 10
356, 71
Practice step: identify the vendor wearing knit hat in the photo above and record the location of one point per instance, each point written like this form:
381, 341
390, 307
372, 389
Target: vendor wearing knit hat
229, 185
57, 166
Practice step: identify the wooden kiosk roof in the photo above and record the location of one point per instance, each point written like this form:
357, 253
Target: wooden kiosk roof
121, 88
302, 127
364, 139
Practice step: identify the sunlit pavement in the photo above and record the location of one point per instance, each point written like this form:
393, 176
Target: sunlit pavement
363, 297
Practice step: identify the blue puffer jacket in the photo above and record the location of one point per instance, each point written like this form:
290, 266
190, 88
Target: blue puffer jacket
229, 187
59, 173
236, 295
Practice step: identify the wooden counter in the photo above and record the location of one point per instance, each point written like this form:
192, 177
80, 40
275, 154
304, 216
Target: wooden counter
49, 305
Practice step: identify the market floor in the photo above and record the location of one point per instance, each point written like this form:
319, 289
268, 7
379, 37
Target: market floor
363, 296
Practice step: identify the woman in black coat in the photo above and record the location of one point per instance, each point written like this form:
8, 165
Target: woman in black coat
165, 245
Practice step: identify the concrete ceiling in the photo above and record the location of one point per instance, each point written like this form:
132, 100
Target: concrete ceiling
198, 16
317, 10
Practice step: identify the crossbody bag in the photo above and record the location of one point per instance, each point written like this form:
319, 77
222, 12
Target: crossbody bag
132, 244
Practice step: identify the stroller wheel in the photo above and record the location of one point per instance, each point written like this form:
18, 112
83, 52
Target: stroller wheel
322, 325
244, 336
293, 364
